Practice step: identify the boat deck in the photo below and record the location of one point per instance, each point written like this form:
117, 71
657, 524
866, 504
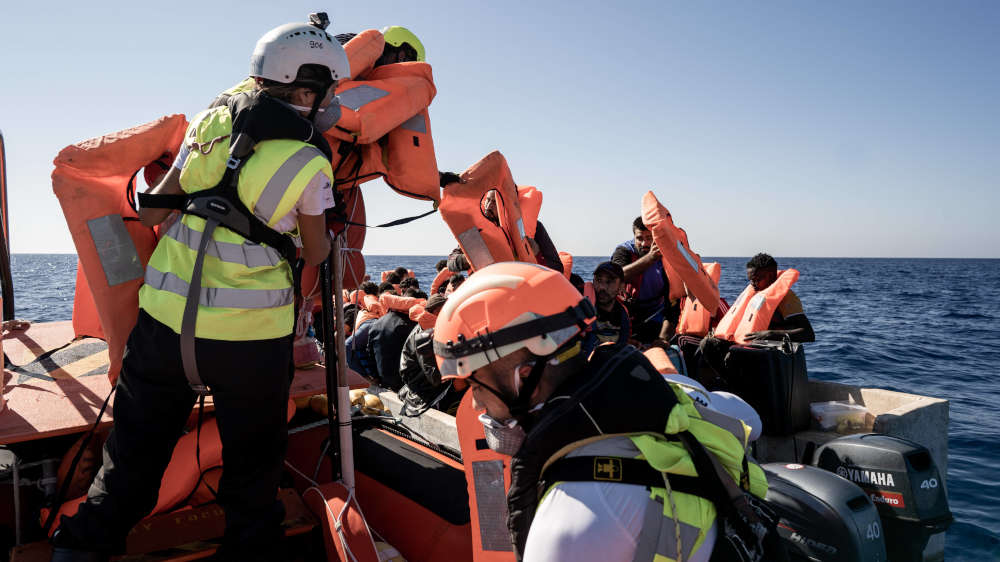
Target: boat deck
55, 385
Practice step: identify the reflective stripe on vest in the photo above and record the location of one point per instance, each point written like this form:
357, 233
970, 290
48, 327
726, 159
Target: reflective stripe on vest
218, 297
730, 424
247, 253
267, 204
658, 538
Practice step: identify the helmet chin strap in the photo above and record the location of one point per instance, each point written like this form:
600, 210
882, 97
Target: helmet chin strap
320, 94
520, 406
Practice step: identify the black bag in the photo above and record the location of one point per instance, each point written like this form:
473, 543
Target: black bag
771, 377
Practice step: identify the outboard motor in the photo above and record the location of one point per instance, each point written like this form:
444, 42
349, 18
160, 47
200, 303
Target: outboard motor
823, 517
903, 481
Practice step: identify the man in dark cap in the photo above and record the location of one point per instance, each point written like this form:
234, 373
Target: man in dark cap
612, 324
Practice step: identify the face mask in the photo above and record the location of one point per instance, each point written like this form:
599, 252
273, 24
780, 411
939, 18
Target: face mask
503, 437
326, 117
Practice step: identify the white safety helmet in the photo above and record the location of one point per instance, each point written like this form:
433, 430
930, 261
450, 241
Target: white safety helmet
281, 51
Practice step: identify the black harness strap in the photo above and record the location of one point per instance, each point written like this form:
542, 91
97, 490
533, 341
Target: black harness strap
190, 318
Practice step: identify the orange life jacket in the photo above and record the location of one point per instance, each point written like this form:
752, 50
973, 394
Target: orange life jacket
672, 244
363, 50
677, 290
90, 180
753, 310
440, 279
567, 261
530, 199
661, 362
181, 475
482, 241
364, 316
695, 319
408, 154
86, 321
384, 130
420, 315
487, 476
390, 301
373, 305
588, 291
386, 98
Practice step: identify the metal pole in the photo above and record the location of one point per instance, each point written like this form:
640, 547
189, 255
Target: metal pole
343, 387
17, 501
329, 360
6, 278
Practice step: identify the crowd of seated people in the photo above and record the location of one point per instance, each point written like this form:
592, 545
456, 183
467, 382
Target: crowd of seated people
390, 325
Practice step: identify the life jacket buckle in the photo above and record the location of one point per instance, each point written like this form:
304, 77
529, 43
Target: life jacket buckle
232, 163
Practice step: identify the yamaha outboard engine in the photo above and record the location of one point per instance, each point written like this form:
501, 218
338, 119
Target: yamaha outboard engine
903, 481
823, 517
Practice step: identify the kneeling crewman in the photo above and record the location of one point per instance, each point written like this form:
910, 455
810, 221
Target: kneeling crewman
610, 462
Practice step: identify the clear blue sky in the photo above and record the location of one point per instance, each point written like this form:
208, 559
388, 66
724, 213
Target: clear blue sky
848, 128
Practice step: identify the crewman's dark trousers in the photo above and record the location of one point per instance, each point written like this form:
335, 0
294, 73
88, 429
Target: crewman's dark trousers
250, 381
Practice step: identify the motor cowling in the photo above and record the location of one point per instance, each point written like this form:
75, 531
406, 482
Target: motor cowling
903, 481
823, 517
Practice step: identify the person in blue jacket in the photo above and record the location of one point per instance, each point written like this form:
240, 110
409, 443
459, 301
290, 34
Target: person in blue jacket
647, 290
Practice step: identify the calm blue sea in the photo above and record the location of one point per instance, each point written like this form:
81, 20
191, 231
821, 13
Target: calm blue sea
927, 326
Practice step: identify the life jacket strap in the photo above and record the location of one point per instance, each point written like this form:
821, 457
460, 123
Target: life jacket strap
617, 470
391, 223
216, 203
190, 318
